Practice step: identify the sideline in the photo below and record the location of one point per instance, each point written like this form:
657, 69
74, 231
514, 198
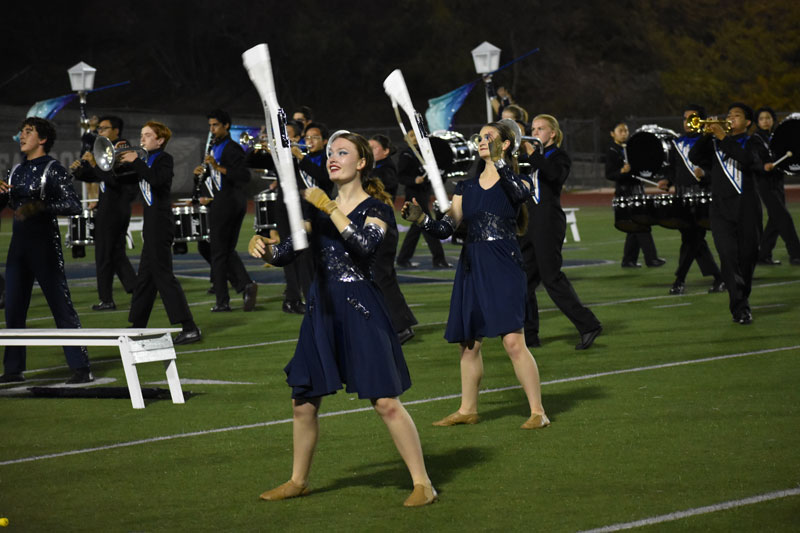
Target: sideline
677, 515
366, 409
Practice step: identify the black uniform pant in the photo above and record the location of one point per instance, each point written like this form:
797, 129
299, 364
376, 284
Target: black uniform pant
639, 241
736, 239
226, 219
695, 248
779, 221
35, 255
299, 273
412, 237
156, 277
541, 251
111, 226
385, 277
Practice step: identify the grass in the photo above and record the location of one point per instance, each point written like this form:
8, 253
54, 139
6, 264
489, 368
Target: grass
645, 439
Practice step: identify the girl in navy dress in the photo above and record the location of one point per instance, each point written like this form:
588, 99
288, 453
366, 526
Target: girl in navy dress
488, 297
346, 338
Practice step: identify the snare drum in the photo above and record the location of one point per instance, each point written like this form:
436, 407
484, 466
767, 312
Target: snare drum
453, 153
191, 223
266, 211
699, 205
623, 215
81, 229
671, 213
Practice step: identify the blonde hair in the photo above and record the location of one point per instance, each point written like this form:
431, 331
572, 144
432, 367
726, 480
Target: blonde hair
550, 119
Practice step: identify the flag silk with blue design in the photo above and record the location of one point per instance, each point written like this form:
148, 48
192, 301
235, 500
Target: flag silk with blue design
48, 108
442, 108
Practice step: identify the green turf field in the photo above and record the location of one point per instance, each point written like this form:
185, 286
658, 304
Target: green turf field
674, 409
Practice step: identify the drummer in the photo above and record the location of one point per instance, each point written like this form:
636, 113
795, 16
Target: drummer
685, 176
618, 170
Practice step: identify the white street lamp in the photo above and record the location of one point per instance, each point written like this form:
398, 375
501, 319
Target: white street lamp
81, 78
486, 57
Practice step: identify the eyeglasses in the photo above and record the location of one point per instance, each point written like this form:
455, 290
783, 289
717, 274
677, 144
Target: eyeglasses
313, 138
103, 128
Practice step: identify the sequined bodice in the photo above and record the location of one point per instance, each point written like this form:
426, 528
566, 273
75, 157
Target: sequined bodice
47, 180
489, 214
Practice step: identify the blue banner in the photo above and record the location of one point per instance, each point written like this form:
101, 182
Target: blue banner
442, 108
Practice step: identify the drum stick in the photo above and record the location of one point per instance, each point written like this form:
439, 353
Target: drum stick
785, 156
646, 181
259, 66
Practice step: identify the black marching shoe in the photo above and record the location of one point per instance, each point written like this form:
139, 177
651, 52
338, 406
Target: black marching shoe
188, 337
442, 263
405, 335
221, 308
631, 264
250, 292
768, 261
587, 339
677, 288
81, 375
743, 317
294, 307
717, 286
12, 378
407, 264
657, 262
104, 306
211, 290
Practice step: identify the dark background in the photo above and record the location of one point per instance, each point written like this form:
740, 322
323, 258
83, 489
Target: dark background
599, 60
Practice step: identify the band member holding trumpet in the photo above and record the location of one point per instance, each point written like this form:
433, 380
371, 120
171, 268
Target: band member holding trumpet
547, 226
488, 297
686, 176
736, 208
312, 161
771, 190
38, 190
618, 170
155, 265
112, 216
226, 163
346, 336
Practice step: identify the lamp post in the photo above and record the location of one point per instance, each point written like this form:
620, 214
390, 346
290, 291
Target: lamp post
486, 57
81, 78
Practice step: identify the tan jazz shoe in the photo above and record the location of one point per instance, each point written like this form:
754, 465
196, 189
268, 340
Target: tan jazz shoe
457, 418
536, 422
288, 490
422, 495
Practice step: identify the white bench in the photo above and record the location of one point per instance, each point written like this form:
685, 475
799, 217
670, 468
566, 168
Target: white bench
572, 221
135, 346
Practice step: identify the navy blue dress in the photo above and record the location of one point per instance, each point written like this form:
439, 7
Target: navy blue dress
489, 289
346, 337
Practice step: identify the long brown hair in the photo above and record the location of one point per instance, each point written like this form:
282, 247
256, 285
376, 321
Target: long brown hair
372, 186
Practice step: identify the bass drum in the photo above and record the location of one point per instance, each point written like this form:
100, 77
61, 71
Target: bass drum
81, 229
699, 205
648, 150
670, 212
453, 153
786, 138
266, 211
623, 215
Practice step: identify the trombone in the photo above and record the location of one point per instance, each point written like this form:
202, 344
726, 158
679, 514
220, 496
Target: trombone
698, 125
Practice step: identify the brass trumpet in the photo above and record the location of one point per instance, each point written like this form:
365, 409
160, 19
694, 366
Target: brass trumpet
256, 143
107, 155
698, 125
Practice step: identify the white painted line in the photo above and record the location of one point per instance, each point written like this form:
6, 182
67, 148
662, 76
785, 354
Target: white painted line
364, 409
697, 511
671, 305
185, 381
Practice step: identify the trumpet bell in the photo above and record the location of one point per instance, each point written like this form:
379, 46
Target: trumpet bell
106, 155
698, 125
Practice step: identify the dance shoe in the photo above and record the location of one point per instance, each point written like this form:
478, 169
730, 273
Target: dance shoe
405, 335
631, 264
188, 337
677, 288
221, 308
283, 492
536, 422
250, 292
768, 261
456, 419
81, 375
717, 286
657, 262
12, 378
587, 339
421, 495
104, 306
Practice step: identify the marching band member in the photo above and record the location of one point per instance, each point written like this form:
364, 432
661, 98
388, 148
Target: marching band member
547, 226
771, 190
229, 175
346, 335
112, 217
412, 175
735, 206
618, 170
385, 169
38, 190
155, 265
488, 297
685, 176
312, 164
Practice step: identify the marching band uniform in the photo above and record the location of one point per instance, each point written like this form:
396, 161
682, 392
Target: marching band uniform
541, 248
735, 213
693, 240
386, 171
226, 214
313, 171
111, 226
155, 265
35, 255
779, 221
408, 168
626, 185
